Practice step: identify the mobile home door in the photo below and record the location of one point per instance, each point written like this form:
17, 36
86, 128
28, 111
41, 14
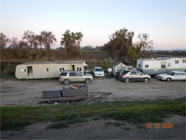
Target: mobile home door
30, 71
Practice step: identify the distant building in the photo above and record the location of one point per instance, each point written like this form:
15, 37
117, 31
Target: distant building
118, 67
88, 48
47, 69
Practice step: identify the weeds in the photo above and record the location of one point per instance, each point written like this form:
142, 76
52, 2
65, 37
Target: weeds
66, 122
15, 118
7, 76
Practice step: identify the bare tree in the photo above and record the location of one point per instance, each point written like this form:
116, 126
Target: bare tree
47, 39
3, 43
144, 42
71, 41
30, 38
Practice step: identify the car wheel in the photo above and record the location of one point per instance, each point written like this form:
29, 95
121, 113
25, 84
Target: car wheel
66, 81
87, 81
168, 79
127, 80
146, 80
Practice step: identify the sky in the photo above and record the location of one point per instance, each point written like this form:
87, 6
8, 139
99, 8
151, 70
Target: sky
163, 20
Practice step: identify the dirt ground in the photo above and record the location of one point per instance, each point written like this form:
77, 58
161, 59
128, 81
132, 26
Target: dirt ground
29, 93
102, 129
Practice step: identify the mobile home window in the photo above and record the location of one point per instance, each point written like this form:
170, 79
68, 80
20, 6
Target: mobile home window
176, 61
146, 66
61, 69
79, 68
23, 70
139, 65
163, 65
184, 60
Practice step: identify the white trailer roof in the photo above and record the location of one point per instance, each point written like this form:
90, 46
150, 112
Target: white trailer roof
161, 58
57, 62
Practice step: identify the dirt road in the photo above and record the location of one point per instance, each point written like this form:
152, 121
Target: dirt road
29, 92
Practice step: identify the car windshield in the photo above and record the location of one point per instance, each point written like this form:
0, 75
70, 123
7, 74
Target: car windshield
171, 73
124, 72
98, 69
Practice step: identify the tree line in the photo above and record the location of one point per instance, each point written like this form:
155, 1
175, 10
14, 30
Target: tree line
36, 46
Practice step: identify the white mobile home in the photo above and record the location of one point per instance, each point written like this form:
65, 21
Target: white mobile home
161, 65
47, 69
118, 67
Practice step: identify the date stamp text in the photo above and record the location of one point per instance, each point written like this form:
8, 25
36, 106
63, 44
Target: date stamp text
159, 125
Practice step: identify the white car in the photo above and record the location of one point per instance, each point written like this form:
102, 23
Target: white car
174, 75
98, 72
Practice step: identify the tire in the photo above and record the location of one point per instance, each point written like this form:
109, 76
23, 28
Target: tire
87, 81
66, 81
146, 80
168, 79
127, 80
123, 80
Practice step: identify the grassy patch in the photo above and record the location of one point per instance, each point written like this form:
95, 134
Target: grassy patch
66, 122
7, 76
15, 118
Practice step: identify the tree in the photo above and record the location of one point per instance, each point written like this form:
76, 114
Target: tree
72, 41
14, 43
122, 48
120, 45
108, 47
33, 42
47, 39
30, 38
22, 49
144, 42
3, 43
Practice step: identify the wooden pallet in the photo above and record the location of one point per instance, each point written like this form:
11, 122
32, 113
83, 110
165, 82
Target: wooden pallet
63, 99
76, 98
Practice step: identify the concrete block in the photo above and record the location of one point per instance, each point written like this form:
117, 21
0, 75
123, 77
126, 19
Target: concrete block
69, 92
51, 94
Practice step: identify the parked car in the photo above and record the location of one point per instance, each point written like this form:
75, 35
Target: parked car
174, 75
133, 75
98, 72
75, 76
